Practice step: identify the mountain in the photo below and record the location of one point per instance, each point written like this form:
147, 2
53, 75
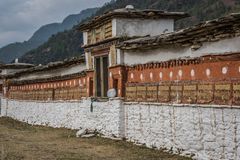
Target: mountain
56, 48
16, 50
68, 44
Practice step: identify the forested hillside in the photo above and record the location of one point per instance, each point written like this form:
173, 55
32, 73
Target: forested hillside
68, 44
16, 50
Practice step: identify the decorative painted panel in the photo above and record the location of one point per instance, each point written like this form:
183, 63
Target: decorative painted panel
176, 93
189, 93
113, 55
72, 90
141, 93
131, 92
100, 33
164, 93
152, 93
236, 93
205, 93
222, 94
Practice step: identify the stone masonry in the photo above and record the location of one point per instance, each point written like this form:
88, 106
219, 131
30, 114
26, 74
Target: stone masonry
204, 132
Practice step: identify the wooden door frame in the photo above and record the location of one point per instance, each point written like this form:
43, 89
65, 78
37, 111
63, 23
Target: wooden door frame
101, 75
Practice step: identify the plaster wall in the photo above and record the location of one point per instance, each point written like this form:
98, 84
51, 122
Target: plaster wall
87, 58
114, 27
10, 71
206, 132
55, 72
166, 53
120, 56
105, 117
141, 27
85, 38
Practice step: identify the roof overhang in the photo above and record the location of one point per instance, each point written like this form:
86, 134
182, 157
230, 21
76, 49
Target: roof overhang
131, 13
209, 31
50, 66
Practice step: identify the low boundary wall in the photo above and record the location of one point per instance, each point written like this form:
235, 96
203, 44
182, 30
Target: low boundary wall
104, 117
206, 132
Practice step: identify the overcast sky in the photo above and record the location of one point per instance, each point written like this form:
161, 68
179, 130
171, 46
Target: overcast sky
19, 19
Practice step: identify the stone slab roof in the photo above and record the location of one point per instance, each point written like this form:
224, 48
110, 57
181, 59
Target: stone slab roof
16, 66
132, 13
50, 66
209, 31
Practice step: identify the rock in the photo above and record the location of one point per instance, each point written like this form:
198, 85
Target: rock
112, 138
81, 132
88, 135
90, 131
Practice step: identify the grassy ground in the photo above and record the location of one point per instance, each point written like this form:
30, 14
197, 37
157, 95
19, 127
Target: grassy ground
22, 141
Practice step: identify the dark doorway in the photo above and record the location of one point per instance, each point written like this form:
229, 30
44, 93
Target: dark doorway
115, 86
91, 87
98, 76
101, 68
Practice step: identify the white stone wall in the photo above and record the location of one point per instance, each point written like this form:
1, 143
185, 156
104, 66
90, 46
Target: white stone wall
55, 72
141, 27
10, 71
73, 115
226, 46
85, 38
207, 132
3, 106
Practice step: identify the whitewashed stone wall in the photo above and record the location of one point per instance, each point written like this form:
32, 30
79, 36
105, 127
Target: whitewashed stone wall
222, 47
209, 133
141, 27
54, 72
203, 131
73, 115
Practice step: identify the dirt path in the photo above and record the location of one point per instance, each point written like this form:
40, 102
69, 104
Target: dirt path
22, 141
